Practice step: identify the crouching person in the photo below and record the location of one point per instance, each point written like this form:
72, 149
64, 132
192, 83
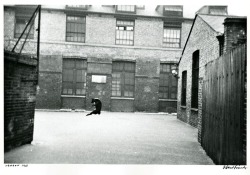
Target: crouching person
98, 106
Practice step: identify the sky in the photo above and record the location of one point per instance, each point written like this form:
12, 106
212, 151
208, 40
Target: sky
235, 7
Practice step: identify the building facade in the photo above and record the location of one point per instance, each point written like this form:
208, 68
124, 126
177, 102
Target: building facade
212, 34
122, 55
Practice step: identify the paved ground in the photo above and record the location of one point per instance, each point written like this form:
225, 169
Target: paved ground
110, 138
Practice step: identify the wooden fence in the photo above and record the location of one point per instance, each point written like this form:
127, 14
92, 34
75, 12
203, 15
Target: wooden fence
223, 135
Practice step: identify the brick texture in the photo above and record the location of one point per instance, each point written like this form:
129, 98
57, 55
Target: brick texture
148, 32
209, 50
235, 33
99, 50
20, 79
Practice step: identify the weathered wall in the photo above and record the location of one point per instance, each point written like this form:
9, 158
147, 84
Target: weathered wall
235, 32
209, 50
99, 46
20, 79
50, 82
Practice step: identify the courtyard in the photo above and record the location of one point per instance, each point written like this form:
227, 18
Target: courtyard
110, 138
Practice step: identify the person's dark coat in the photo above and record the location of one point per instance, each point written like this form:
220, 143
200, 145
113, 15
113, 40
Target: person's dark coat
98, 106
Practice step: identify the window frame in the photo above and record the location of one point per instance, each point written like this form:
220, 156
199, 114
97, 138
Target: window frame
172, 27
123, 73
217, 10
175, 13
74, 81
84, 26
80, 7
195, 80
125, 11
170, 85
32, 23
127, 31
141, 7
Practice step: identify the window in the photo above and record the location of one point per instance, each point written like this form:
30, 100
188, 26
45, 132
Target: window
168, 83
172, 35
171, 10
74, 76
126, 8
21, 22
221, 44
140, 6
124, 32
75, 29
123, 79
195, 80
218, 10
184, 88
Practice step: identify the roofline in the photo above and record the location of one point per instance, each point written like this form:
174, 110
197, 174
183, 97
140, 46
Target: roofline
108, 13
218, 33
210, 25
187, 39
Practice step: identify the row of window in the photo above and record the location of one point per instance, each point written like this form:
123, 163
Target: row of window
76, 31
195, 82
168, 10
123, 79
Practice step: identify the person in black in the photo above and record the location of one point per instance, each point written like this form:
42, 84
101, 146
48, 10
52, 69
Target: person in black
98, 106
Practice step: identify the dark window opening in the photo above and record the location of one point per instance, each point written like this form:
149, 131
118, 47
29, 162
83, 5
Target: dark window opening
184, 88
168, 83
221, 44
123, 79
74, 76
195, 80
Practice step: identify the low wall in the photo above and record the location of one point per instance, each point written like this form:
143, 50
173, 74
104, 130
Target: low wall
20, 79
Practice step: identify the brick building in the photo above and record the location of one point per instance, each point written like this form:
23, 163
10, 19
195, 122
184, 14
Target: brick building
213, 33
122, 55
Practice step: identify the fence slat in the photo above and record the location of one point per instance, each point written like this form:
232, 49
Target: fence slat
223, 108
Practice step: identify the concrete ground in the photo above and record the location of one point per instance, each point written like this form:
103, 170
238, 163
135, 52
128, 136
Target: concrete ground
110, 138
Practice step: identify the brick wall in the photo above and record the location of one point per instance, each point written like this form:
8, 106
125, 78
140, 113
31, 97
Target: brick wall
20, 79
100, 45
53, 26
209, 50
234, 33
148, 32
100, 29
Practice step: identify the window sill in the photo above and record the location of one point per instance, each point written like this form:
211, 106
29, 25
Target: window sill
121, 98
184, 107
194, 109
72, 96
168, 100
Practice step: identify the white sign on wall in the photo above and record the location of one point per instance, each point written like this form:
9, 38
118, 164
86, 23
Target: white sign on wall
99, 78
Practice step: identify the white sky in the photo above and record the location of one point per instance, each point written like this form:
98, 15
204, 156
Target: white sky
235, 7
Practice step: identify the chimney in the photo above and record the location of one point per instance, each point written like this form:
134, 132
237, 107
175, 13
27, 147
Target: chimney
235, 32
